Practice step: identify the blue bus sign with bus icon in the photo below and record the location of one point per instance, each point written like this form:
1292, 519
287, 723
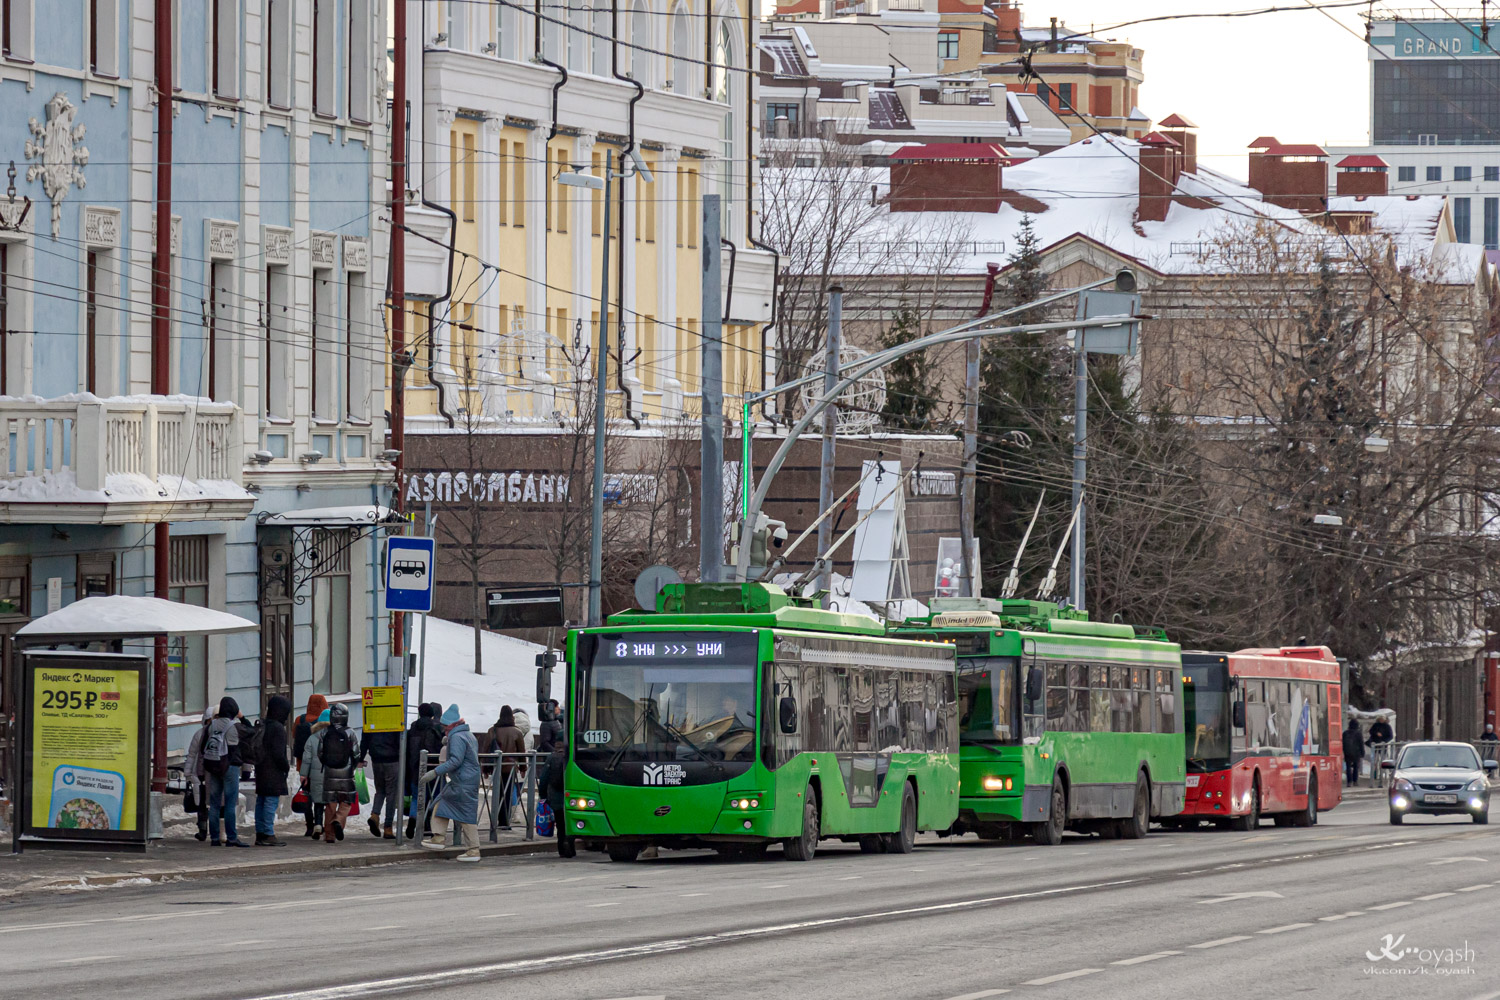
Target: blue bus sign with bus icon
408, 574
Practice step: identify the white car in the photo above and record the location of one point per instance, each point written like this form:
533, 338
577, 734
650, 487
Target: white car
1440, 778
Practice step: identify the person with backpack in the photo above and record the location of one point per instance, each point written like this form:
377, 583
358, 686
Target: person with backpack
315, 706
221, 762
552, 790
384, 749
196, 778
459, 800
271, 769
311, 769
424, 734
338, 752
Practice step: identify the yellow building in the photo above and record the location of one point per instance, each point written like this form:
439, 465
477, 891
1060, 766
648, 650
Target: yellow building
503, 103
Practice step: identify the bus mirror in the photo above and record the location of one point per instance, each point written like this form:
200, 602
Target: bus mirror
1239, 715
788, 713
1034, 684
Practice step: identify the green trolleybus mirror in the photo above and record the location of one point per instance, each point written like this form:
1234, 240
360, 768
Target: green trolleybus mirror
545, 662
1034, 684
788, 712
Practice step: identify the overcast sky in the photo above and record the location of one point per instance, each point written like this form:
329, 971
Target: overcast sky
1296, 75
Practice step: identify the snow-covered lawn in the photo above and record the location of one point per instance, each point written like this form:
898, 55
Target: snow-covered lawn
448, 676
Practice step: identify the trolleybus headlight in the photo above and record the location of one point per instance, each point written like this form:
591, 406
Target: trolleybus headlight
578, 825
994, 784
755, 803
748, 824
585, 803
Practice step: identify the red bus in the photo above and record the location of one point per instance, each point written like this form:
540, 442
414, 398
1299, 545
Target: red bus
1263, 732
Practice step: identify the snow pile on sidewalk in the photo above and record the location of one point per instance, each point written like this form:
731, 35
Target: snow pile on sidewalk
448, 676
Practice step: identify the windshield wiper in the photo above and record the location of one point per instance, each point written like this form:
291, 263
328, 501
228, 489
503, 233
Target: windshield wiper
618, 755
679, 735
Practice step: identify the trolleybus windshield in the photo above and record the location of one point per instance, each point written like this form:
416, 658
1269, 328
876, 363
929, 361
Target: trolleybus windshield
1205, 692
678, 697
986, 699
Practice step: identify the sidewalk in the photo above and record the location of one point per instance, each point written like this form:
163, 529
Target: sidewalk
180, 858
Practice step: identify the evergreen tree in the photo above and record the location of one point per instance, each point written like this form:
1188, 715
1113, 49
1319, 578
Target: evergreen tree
912, 385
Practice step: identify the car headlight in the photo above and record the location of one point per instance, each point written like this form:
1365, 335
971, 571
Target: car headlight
1401, 784
1477, 785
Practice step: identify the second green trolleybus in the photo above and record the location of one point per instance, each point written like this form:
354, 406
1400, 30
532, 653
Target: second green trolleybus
736, 717
1064, 723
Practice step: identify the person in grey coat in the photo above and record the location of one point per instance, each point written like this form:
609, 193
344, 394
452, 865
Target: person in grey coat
459, 801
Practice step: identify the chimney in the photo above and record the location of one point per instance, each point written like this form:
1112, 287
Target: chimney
1160, 166
1007, 26
1362, 175
1292, 176
1184, 133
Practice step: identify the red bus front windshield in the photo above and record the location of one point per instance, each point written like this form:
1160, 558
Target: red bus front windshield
1205, 693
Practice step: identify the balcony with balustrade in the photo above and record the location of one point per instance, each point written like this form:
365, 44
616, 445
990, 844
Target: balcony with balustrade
84, 459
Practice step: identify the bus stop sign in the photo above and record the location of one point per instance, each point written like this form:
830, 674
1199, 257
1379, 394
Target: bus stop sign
408, 574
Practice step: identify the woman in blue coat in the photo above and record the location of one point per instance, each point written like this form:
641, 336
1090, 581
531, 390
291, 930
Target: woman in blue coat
459, 801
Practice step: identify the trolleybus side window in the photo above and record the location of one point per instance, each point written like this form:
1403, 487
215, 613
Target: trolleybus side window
1099, 699
1166, 701
1257, 714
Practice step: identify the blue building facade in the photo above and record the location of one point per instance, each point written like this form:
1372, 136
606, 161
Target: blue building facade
266, 455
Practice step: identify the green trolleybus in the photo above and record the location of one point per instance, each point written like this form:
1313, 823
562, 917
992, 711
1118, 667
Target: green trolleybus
736, 717
1064, 723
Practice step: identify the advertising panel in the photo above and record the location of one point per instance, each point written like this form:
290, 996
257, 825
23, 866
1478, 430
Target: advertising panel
87, 740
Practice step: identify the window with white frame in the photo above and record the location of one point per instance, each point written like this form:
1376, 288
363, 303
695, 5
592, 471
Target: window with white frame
360, 49
104, 37
456, 24
224, 50
640, 64
278, 49
187, 656
358, 346
600, 39
578, 39
7, 314
325, 57
324, 348
330, 611
16, 29
277, 348
682, 51
219, 333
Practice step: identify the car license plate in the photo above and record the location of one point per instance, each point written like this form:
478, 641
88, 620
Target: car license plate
1192, 780
1440, 799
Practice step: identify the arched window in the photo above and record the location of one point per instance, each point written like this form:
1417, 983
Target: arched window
728, 89
601, 39
682, 51
507, 33
641, 58
578, 39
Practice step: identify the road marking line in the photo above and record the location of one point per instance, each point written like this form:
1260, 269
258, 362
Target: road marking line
1228, 940
1475, 888
685, 895
1283, 927
1342, 916
449, 978
850, 878
1390, 906
615, 902
252, 941
980, 995
776, 885
385, 927
89, 958
1047, 980
1436, 895
1145, 958
494, 916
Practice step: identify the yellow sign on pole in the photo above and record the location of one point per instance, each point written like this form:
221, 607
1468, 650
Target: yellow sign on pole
383, 709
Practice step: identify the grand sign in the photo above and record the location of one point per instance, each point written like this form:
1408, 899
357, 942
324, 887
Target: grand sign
1436, 39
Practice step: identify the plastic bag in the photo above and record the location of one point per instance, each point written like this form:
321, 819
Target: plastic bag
545, 821
361, 785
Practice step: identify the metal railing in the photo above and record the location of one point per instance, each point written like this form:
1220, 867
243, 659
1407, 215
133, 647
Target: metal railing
506, 781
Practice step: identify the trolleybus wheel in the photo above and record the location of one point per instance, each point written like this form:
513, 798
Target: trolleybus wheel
624, 852
804, 847
1049, 832
1251, 819
1139, 823
904, 840
1309, 814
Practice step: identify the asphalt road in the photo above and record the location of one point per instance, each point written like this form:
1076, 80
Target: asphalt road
1351, 908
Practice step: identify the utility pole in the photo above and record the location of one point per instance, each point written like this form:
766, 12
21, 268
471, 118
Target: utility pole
601, 368
161, 374
711, 461
1080, 469
971, 464
400, 630
830, 426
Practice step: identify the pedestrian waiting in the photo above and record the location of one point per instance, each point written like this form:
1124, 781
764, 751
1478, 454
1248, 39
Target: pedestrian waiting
425, 734
1354, 752
338, 751
315, 706
195, 797
221, 763
271, 769
553, 771
384, 751
505, 737
459, 800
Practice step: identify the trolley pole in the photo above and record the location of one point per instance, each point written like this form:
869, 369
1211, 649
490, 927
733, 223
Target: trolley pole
1080, 469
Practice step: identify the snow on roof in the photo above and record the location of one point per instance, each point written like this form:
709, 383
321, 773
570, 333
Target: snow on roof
122, 616
1091, 189
1137, 115
986, 152
61, 487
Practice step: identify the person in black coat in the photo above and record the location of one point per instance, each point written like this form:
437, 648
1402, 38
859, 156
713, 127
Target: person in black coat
271, 768
1354, 752
552, 785
1380, 732
550, 731
424, 734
